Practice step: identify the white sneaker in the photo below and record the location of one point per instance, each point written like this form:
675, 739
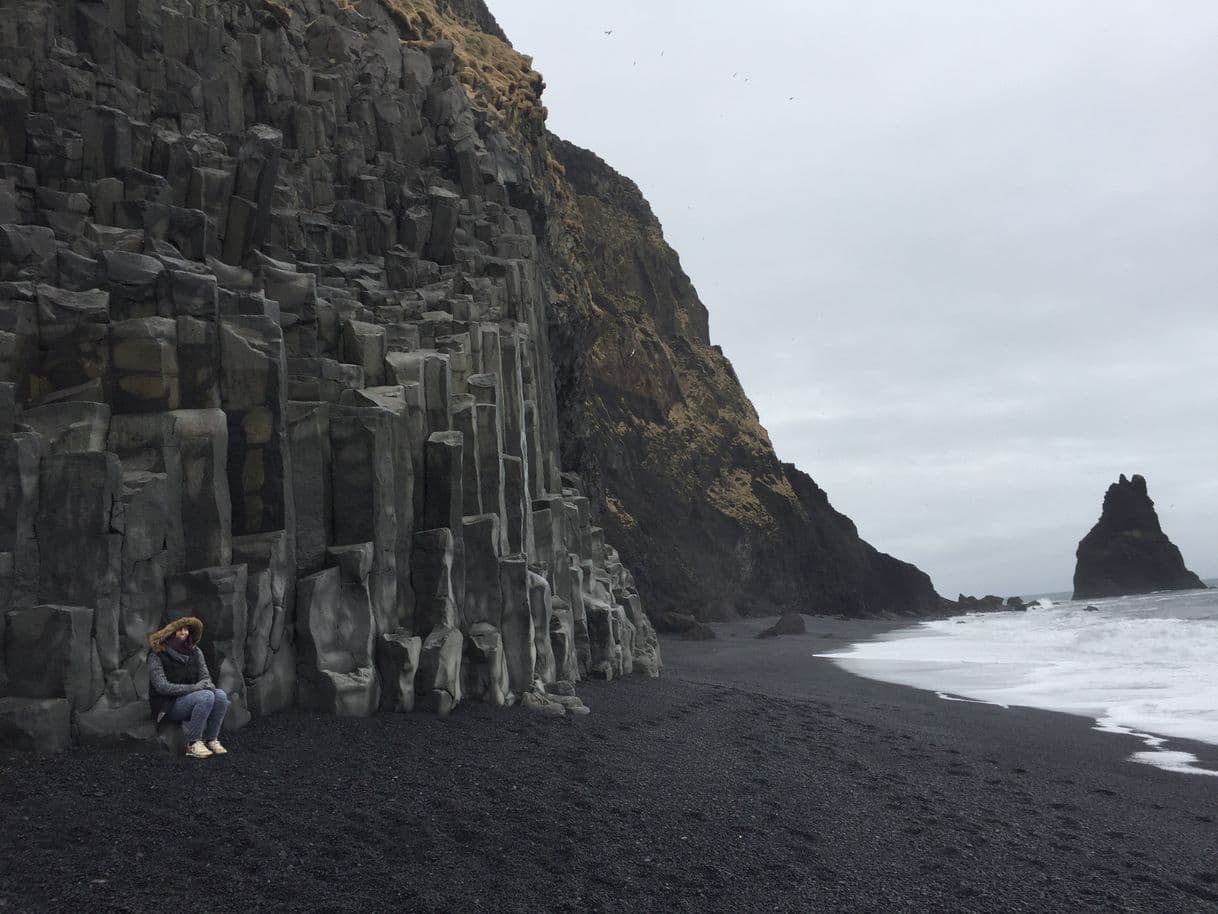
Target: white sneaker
198, 750
216, 748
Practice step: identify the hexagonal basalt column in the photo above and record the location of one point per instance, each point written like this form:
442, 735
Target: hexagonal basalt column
49, 653
254, 389
144, 365
464, 421
484, 673
362, 479
20, 456
483, 601
41, 724
541, 609
334, 641
438, 683
396, 401
516, 623
397, 661
432, 568
202, 456
79, 548
312, 489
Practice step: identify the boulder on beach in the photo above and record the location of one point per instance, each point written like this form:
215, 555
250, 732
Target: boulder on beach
787, 624
686, 625
1127, 551
699, 631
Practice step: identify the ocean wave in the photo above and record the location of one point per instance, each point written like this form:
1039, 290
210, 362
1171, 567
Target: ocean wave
1147, 666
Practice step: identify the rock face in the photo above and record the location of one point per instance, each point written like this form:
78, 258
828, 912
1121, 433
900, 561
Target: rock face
308, 326
668, 443
274, 352
787, 624
1127, 551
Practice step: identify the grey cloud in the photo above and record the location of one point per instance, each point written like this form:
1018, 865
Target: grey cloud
982, 242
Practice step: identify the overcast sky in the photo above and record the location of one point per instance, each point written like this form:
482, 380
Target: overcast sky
968, 274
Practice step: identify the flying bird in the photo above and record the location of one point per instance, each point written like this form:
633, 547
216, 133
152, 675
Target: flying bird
608, 31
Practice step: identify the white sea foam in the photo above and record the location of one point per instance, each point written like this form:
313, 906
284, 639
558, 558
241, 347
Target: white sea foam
1145, 666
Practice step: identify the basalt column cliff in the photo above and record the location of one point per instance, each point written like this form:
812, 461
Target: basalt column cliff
273, 353
309, 328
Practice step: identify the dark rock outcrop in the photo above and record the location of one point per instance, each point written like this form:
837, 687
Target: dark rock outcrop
988, 604
686, 625
787, 624
1127, 551
667, 441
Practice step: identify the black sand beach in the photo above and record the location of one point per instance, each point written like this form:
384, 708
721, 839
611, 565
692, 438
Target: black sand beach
750, 778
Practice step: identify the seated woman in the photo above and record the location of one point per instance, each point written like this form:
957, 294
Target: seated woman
180, 686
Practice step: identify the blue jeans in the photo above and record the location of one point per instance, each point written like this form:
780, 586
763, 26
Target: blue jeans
201, 712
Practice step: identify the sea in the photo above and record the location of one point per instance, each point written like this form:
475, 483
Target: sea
1143, 665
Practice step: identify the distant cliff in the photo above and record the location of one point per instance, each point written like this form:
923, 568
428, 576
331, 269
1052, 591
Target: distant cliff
1127, 551
668, 444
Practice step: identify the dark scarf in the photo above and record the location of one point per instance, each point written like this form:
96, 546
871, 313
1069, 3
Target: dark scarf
180, 649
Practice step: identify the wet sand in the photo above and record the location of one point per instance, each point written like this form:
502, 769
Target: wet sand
753, 777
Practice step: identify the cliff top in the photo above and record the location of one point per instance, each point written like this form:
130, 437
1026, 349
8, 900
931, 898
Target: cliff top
495, 74
1128, 506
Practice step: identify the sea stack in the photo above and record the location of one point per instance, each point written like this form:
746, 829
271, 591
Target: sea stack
1127, 551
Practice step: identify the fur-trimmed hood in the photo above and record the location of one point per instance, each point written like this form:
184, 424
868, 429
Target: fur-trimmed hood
157, 639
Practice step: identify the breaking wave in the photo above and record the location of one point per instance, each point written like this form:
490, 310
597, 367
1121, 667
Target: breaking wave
1145, 666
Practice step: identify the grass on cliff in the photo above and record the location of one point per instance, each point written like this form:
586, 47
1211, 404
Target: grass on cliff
698, 429
495, 74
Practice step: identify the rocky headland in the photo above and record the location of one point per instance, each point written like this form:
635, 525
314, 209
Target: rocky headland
309, 328
1127, 552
